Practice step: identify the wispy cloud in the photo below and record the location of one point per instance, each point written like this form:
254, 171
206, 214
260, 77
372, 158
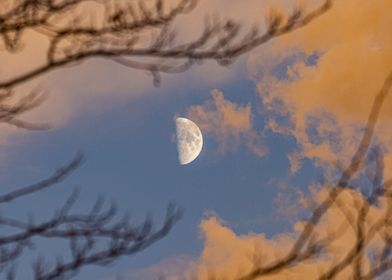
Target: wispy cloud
322, 96
227, 255
229, 123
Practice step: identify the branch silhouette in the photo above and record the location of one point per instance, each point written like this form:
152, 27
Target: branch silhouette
97, 237
121, 36
307, 246
131, 34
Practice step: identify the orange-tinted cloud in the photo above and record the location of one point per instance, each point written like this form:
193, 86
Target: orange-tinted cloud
327, 102
228, 255
230, 124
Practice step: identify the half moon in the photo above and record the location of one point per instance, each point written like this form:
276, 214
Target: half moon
189, 140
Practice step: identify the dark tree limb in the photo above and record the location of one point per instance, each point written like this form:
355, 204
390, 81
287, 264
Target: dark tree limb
303, 244
123, 33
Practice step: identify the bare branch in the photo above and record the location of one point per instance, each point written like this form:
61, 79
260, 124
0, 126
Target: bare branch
302, 245
122, 31
56, 178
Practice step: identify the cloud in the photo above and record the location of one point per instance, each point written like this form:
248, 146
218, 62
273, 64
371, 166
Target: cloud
318, 83
228, 255
230, 124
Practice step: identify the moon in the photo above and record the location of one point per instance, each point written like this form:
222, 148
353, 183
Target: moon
189, 140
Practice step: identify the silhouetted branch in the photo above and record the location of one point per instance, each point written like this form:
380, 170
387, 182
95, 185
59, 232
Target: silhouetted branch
303, 244
85, 233
56, 178
124, 30
11, 109
123, 240
94, 238
133, 34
